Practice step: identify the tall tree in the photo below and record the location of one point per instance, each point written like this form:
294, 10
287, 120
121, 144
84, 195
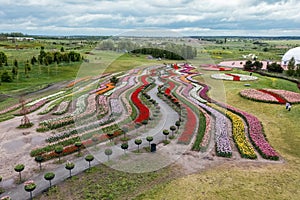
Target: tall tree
291, 67
3, 57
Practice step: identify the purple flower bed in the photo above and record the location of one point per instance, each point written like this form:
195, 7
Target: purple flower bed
223, 147
33, 107
131, 82
116, 108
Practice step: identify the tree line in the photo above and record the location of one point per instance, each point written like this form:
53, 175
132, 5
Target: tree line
293, 69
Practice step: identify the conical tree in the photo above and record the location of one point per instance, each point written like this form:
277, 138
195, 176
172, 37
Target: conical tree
89, 158
19, 168
49, 176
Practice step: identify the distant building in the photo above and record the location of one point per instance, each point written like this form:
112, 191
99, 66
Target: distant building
20, 39
295, 52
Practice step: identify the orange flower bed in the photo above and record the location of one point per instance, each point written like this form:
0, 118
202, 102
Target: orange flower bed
109, 86
77, 81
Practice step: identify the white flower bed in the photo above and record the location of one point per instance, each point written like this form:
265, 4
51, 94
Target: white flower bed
62, 108
230, 78
194, 93
44, 98
80, 104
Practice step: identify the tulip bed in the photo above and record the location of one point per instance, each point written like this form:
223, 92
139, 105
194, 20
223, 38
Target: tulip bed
143, 110
62, 108
239, 135
289, 96
271, 95
234, 77
255, 128
257, 95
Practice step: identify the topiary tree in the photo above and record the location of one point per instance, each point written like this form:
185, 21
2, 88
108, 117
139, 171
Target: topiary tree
177, 123
149, 139
124, 146
58, 150
89, 158
166, 133
29, 186
172, 128
108, 152
138, 142
69, 166
39, 160
78, 145
49, 176
19, 168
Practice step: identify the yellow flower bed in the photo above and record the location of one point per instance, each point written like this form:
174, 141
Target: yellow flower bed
238, 132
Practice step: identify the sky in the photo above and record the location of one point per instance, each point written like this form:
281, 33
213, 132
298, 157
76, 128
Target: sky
161, 17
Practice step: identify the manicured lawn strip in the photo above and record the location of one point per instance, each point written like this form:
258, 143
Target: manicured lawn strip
201, 132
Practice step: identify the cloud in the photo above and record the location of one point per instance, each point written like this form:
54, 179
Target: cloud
116, 16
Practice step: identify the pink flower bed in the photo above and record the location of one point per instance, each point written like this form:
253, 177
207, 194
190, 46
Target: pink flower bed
258, 95
291, 97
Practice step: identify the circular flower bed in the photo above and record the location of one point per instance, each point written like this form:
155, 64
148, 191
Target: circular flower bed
234, 77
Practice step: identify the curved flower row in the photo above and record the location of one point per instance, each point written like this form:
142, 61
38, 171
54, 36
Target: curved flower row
255, 128
108, 87
62, 108
45, 98
223, 147
143, 110
206, 136
102, 104
194, 93
80, 104
239, 135
257, 135
32, 108
76, 81
130, 80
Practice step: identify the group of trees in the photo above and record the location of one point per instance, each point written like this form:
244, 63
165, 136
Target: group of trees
253, 66
165, 50
172, 52
48, 58
44, 58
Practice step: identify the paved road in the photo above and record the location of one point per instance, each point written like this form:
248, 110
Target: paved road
138, 163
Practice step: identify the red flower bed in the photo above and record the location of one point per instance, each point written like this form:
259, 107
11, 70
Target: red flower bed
143, 110
279, 98
190, 126
235, 78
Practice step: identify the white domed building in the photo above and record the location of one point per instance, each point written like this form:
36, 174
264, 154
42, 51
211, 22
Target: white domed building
295, 52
